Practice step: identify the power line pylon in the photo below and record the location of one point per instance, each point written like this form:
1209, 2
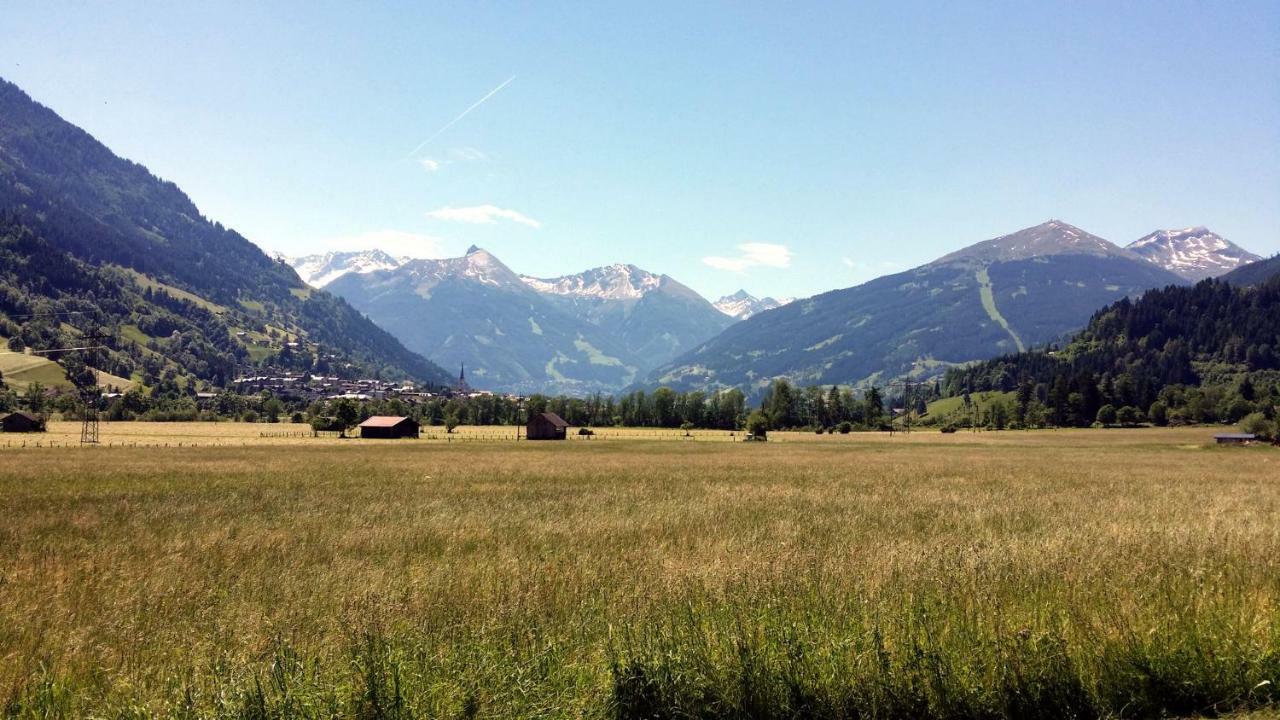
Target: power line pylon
906, 385
91, 393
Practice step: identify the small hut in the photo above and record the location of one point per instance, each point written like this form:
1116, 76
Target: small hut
1236, 438
546, 426
388, 427
21, 422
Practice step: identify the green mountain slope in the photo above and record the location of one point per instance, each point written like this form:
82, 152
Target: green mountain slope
86, 231
1028, 288
1254, 273
1205, 353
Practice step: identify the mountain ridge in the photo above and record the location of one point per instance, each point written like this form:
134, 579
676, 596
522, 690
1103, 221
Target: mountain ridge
1254, 273
594, 331
1053, 237
87, 213
319, 270
1021, 289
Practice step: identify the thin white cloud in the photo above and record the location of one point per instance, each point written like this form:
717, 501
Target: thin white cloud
751, 255
848, 262
482, 215
394, 242
430, 165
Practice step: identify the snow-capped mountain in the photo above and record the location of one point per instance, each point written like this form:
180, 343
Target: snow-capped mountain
478, 265
597, 330
742, 304
1195, 253
320, 270
611, 282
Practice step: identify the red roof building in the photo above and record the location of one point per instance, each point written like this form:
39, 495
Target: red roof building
385, 427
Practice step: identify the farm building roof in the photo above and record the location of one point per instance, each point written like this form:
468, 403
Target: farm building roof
554, 419
383, 421
1236, 436
21, 414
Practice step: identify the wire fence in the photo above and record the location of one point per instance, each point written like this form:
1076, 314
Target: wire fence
36, 441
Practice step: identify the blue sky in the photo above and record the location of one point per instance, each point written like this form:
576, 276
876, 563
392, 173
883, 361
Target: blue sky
786, 150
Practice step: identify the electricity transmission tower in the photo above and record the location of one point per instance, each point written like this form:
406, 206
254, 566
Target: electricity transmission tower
906, 384
90, 392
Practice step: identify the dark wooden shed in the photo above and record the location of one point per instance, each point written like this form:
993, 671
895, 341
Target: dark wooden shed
22, 422
386, 427
1235, 438
546, 426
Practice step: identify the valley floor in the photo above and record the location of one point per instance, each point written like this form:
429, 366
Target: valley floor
1086, 573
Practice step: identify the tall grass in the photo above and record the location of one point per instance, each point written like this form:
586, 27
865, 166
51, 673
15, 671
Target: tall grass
1123, 574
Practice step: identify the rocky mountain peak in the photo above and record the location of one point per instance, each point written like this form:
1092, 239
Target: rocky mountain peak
1194, 253
610, 282
742, 304
1053, 237
322, 269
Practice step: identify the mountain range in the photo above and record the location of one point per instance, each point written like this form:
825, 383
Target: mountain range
998, 296
321, 269
619, 325
92, 240
599, 330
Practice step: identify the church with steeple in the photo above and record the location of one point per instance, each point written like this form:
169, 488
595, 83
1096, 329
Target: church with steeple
463, 388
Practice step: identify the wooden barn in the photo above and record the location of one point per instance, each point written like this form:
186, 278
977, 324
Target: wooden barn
21, 422
546, 426
389, 427
1236, 438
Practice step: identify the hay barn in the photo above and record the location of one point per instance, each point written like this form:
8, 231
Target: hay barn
546, 426
1236, 438
386, 427
21, 422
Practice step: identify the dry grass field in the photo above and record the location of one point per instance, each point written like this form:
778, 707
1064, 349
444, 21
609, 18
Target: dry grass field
1126, 573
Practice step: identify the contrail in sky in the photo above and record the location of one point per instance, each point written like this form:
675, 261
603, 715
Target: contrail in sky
463, 114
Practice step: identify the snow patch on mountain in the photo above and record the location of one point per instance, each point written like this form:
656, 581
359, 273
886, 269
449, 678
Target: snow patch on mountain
478, 265
611, 282
742, 304
1194, 253
320, 270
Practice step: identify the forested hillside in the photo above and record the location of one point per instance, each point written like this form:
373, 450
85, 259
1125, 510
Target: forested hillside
90, 240
1208, 353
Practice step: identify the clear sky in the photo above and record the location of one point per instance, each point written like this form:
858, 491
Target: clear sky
786, 150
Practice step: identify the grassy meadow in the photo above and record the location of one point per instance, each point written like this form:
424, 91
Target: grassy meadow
1118, 573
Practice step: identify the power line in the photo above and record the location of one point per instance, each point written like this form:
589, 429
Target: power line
55, 350
46, 313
